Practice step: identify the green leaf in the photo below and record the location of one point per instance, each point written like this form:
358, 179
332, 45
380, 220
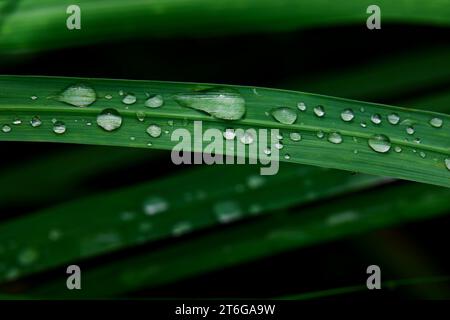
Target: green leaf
365, 144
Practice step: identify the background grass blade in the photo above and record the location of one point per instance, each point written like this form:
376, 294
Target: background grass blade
423, 155
276, 233
20, 32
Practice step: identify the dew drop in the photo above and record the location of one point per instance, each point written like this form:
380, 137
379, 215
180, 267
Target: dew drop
28, 256
221, 103
108, 96
380, 143
140, 115
398, 149
393, 118
247, 138
410, 130
375, 118
227, 211
59, 127
229, 134
6, 128
35, 122
284, 115
33, 97
181, 228
54, 235
267, 151
363, 124
347, 115
447, 163
301, 106
287, 156
17, 122
155, 205
78, 95
154, 130
129, 98
319, 111
422, 154
320, 134
109, 120
335, 138
436, 122
278, 145
154, 101
295, 136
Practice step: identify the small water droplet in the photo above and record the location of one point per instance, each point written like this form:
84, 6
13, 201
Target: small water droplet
393, 118
6, 128
140, 115
170, 123
417, 140
284, 115
301, 106
108, 96
181, 228
78, 95
355, 151
375, 118
247, 138
319, 111
154, 101
255, 182
121, 93
362, 109
35, 122
155, 205
410, 130
380, 143
363, 124
28, 256
347, 115
295, 136
278, 145
335, 138
154, 130
17, 122
59, 127
422, 154
129, 98
320, 134
398, 149
447, 163
33, 97
287, 156
436, 122
229, 134
54, 235
221, 103
267, 151
227, 211
109, 119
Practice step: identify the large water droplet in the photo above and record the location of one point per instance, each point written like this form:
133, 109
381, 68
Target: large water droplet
335, 137
436, 122
78, 95
284, 115
154, 101
347, 115
221, 103
295, 136
319, 111
109, 119
129, 98
154, 130
59, 127
393, 118
380, 143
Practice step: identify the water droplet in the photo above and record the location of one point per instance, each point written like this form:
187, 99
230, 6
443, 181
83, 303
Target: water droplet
301, 106
278, 145
410, 130
170, 123
255, 182
335, 138
6, 128
35, 122
267, 151
287, 156
319, 111
247, 138
375, 118
422, 154
229, 134
447, 163
436, 122
109, 119
363, 124
181, 228
33, 97
355, 151
155, 205
284, 115
129, 98
108, 96
393, 118
54, 235
154, 130
417, 140
140, 115
347, 115
227, 211
295, 136
17, 122
320, 134
362, 109
28, 256
221, 103
59, 127
398, 149
154, 101
380, 143
78, 95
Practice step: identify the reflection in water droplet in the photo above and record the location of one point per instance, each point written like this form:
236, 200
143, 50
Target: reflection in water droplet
319, 111
109, 119
221, 103
347, 115
380, 143
78, 95
393, 118
154, 101
154, 130
284, 115
59, 127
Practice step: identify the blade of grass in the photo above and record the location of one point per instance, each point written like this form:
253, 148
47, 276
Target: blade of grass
33, 26
422, 159
238, 244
